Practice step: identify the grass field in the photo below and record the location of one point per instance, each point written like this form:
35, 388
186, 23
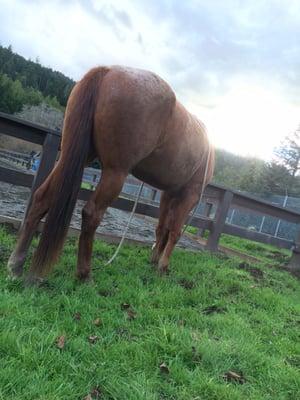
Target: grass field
213, 329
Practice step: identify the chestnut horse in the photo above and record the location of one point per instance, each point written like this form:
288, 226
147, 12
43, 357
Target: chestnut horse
131, 121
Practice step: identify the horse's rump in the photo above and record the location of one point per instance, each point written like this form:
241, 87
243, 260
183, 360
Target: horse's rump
142, 128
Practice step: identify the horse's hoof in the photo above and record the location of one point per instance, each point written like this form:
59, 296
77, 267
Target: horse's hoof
163, 270
15, 267
163, 266
12, 277
154, 261
83, 278
34, 281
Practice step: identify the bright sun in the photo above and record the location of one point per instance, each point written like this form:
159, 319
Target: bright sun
249, 120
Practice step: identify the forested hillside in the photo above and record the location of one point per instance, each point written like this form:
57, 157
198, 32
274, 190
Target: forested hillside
27, 82
256, 176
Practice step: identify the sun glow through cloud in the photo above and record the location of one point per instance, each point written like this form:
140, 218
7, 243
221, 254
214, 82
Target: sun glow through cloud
249, 120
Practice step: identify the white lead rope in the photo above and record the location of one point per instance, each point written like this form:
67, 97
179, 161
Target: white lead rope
201, 194
127, 226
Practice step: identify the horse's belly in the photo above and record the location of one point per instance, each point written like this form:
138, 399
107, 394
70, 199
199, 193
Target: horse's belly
165, 172
184, 148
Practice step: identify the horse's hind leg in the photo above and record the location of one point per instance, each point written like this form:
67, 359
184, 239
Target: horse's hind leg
107, 190
161, 230
179, 209
38, 208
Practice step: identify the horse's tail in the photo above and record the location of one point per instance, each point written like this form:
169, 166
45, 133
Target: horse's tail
65, 179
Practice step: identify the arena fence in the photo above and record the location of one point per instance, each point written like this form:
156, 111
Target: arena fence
216, 197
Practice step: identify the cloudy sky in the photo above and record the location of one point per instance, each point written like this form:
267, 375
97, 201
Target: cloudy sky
234, 63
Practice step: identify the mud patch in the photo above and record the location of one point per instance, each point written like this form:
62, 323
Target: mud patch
186, 284
255, 272
279, 257
214, 309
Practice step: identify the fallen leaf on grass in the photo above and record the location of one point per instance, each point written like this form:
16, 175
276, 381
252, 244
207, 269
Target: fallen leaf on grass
196, 335
213, 309
255, 272
164, 369
105, 293
196, 356
193, 358
95, 394
97, 322
93, 339
186, 284
131, 314
293, 360
60, 342
125, 306
123, 332
232, 376
77, 316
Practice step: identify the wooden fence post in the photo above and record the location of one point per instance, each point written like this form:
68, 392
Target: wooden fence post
48, 158
294, 264
219, 222
207, 210
153, 195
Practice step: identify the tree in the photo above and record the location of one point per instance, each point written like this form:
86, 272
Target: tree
288, 153
12, 95
237, 172
275, 179
283, 172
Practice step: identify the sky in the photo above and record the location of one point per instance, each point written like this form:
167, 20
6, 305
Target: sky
233, 63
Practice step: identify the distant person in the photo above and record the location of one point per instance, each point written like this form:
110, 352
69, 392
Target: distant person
35, 164
35, 161
30, 160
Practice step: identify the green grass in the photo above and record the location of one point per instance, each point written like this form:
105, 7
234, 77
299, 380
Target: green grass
264, 252
85, 185
192, 229
252, 329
